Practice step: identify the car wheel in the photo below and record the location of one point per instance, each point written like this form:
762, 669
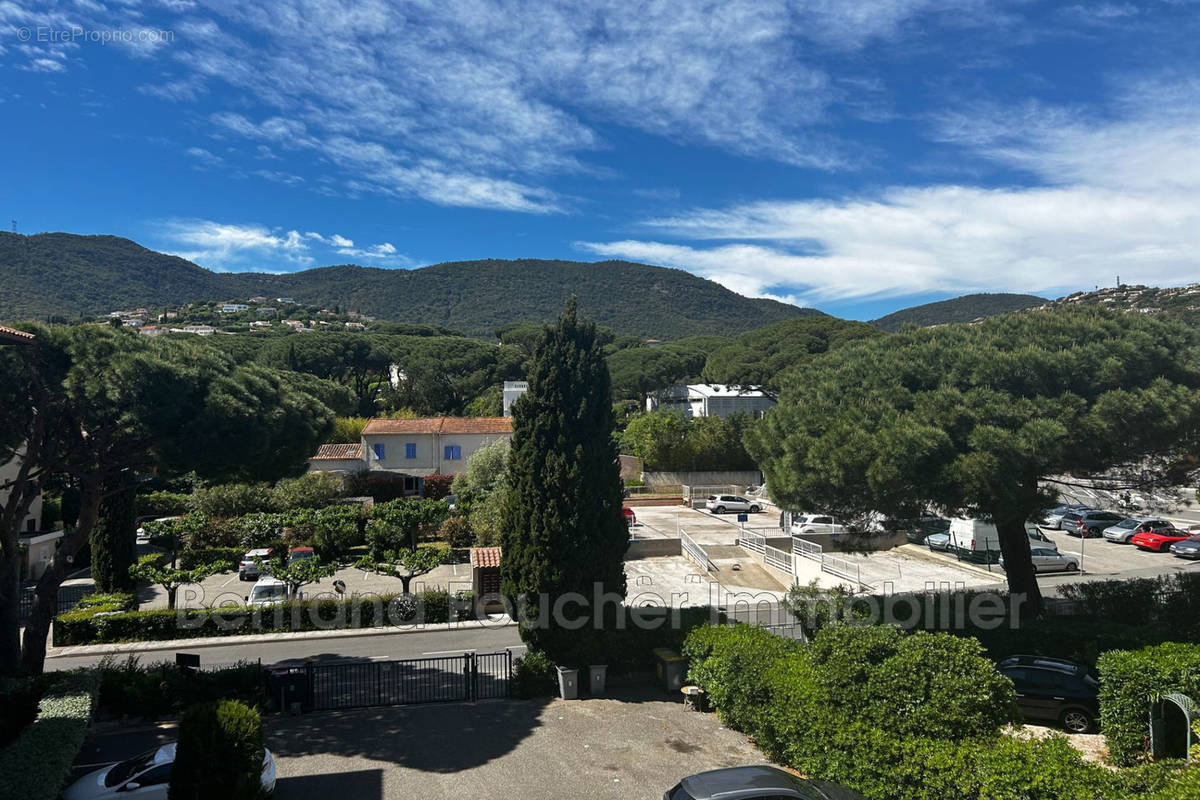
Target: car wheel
719, 510
754, 509
1077, 721
1072, 566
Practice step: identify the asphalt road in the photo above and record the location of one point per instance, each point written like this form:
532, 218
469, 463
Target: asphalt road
414, 644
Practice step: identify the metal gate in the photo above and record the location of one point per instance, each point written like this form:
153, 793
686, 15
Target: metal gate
445, 679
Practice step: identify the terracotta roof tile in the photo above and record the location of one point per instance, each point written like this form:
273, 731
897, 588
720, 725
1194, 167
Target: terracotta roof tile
485, 557
441, 425
14, 335
330, 452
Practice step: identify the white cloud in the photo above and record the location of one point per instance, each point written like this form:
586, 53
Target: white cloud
235, 247
203, 156
1115, 198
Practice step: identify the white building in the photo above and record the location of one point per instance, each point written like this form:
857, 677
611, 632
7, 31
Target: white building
711, 400
513, 390
233, 308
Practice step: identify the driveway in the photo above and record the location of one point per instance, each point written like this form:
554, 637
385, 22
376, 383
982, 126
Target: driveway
636, 744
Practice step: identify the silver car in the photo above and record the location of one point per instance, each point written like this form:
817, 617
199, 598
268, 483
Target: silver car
1054, 516
720, 503
1188, 548
1047, 560
1124, 530
144, 777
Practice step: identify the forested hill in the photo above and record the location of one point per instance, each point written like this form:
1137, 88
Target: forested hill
65, 275
967, 308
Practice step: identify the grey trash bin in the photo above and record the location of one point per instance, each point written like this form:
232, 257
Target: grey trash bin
670, 668
568, 683
596, 676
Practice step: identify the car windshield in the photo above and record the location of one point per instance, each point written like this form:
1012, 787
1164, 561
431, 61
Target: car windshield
268, 592
124, 770
1129, 523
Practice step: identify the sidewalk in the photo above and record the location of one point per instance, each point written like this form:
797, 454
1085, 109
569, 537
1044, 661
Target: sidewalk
500, 621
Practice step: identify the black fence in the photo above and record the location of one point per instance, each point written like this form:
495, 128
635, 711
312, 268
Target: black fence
445, 679
68, 598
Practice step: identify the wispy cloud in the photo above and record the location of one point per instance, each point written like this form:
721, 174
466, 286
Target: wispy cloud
238, 247
1112, 197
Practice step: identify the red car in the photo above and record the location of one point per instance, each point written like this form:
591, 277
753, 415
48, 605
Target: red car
630, 517
1160, 540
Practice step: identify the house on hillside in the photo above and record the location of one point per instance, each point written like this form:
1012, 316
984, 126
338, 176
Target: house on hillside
338, 458
233, 308
712, 400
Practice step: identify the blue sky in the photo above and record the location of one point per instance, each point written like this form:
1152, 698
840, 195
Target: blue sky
854, 156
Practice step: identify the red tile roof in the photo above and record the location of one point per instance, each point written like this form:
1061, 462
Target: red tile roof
331, 452
441, 425
14, 335
485, 557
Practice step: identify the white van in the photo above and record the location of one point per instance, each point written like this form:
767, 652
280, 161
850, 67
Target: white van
976, 538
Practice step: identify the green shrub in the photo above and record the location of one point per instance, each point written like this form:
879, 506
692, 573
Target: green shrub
731, 662
163, 504
436, 486
228, 500
1128, 682
310, 490
219, 753
534, 675
112, 601
37, 765
159, 689
228, 558
457, 531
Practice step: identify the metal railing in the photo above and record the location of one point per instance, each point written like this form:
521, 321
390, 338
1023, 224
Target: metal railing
811, 550
752, 541
68, 598
779, 559
694, 551
445, 679
842, 568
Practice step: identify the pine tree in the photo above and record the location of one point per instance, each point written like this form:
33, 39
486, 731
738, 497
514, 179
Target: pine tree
563, 530
113, 542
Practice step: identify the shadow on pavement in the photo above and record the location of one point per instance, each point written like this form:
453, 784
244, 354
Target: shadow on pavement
366, 784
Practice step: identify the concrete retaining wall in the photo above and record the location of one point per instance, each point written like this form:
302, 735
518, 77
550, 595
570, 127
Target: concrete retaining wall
855, 542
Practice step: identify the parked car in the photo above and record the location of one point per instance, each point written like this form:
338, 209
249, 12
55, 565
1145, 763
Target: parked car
1039, 539
1047, 560
938, 541
816, 523
1188, 548
1124, 530
1160, 540
755, 783
720, 503
140, 533
301, 554
248, 569
1054, 689
1054, 516
977, 538
630, 517
144, 777
266, 591
916, 530
1086, 524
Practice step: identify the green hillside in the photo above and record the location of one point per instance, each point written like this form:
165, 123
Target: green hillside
67, 275
967, 308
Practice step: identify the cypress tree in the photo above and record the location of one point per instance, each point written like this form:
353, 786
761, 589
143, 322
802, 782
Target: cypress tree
113, 541
563, 530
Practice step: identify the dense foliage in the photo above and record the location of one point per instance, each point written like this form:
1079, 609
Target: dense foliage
563, 530
38, 764
131, 688
639, 371
967, 308
219, 753
969, 419
670, 441
1129, 680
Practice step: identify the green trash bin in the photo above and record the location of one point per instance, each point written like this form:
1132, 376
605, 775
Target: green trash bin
670, 669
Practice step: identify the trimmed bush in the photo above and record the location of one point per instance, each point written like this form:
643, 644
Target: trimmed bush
159, 689
37, 765
429, 607
111, 601
534, 675
1128, 682
219, 753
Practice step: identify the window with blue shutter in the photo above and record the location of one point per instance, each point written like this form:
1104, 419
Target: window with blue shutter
410, 450
378, 448
452, 452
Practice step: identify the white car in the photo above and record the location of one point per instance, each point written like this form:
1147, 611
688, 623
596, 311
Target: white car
144, 777
816, 523
248, 569
266, 591
720, 503
1047, 560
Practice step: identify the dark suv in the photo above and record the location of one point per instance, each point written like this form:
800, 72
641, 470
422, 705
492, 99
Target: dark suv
1087, 524
1054, 689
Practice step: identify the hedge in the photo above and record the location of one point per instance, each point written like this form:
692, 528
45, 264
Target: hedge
1129, 680
37, 765
153, 690
219, 753
111, 601
427, 607
912, 717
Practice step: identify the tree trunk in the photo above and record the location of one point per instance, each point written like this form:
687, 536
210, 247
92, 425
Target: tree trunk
406, 581
1018, 566
45, 596
10, 613
171, 597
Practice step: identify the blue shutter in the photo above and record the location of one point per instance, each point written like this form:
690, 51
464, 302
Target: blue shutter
379, 450
448, 452
457, 452
410, 450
